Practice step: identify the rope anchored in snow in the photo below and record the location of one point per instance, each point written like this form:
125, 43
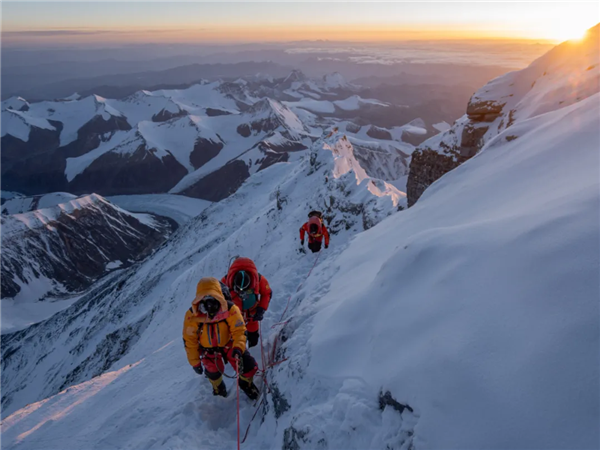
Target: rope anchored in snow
272, 359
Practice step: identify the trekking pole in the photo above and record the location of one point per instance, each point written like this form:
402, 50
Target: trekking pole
237, 369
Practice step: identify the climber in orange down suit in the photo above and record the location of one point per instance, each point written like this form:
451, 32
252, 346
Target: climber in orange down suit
251, 292
214, 332
316, 230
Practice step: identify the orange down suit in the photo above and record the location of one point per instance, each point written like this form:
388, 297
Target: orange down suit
226, 329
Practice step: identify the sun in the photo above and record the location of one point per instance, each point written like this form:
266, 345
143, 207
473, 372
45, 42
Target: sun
569, 30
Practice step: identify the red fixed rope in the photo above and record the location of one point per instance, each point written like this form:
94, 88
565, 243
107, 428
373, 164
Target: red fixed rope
237, 369
272, 359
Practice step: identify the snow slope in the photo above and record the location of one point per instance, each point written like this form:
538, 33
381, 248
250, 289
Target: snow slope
567, 74
20, 204
438, 305
142, 305
63, 249
477, 309
486, 303
178, 207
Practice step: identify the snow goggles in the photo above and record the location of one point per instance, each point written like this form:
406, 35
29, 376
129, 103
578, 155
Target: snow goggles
202, 304
241, 282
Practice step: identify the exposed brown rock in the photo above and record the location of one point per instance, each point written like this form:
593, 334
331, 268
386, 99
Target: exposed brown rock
427, 166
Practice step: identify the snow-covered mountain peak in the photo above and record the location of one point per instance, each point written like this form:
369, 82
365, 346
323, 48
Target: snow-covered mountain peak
345, 161
64, 248
20, 123
45, 217
567, 74
295, 75
16, 103
334, 80
268, 109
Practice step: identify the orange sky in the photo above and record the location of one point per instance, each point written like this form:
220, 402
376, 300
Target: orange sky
235, 22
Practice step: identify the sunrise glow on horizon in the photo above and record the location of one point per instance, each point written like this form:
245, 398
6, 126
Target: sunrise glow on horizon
174, 22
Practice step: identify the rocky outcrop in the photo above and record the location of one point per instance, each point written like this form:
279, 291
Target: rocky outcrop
164, 115
379, 133
91, 134
484, 110
204, 151
446, 151
219, 184
141, 172
66, 248
427, 166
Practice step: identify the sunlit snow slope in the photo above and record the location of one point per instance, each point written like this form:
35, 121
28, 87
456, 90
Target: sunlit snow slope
477, 307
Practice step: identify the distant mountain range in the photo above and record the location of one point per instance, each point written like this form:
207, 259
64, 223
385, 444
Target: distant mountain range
202, 141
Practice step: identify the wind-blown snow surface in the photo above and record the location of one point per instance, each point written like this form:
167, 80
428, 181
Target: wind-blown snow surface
477, 307
178, 207
144, 305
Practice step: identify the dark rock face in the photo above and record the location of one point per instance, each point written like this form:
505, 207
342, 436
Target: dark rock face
38, 165
427, 166
471, 139
89, 136
163, 115
212, 112
244, 130
221, 183
40, 141
204, 151
484, 111
273, 158
352, 127
31, 167
73, 249
140, 173
379, 133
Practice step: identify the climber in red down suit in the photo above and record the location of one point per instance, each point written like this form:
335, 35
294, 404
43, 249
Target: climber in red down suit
251, 292
316, 230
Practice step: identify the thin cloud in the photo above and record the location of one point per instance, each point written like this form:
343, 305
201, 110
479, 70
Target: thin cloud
51, 33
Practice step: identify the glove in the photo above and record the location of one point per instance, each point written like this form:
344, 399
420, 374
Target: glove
236, 353
258, 314
198, 369
301, 241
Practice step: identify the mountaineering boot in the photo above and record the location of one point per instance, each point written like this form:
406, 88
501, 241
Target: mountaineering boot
219, 387
249, 388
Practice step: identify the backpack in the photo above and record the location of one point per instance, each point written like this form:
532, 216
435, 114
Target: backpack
314, 225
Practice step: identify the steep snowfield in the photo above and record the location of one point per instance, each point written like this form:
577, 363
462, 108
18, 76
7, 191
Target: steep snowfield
19, 124
565, 75
141, 307
477, 308
178, 207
